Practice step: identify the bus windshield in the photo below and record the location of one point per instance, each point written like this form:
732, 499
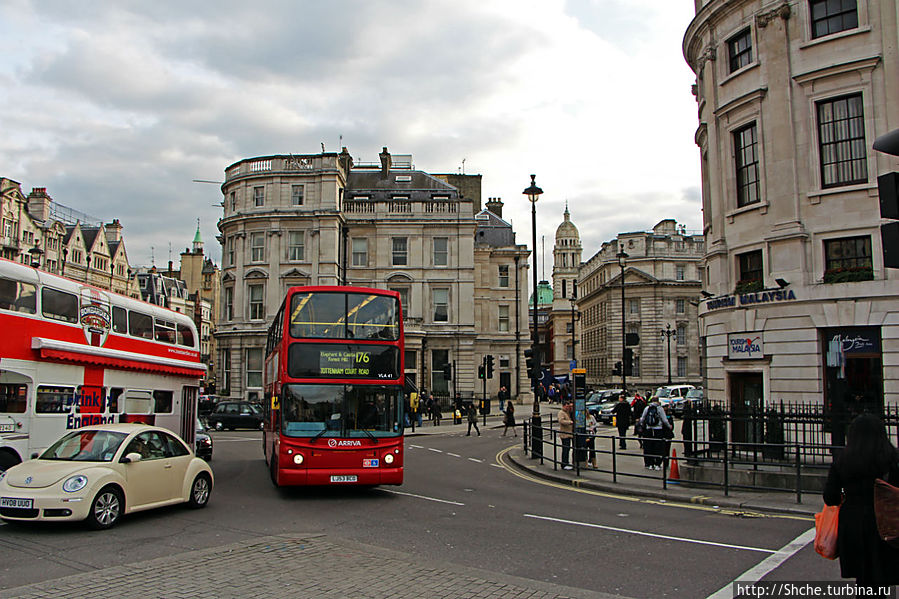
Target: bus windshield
341, 410
335, 315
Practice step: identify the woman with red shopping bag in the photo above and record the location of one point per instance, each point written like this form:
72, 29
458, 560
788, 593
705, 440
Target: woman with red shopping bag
850, 485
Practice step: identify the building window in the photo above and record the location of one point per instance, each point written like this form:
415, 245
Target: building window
680, 306
633, 306
296, 195
749, 270
441, 251
399, 251
504, 319
296, 247
441, 304
360, 252
411, 359
739, 50
228, 303
404, 299
681, 366
259, 196
233, 198
848, 259
504, 275
681, 334
564, 288
747, 163
229, 250
225, 388
257, 304
680, 272
833, 16
841, 141
257, 247
254, 367
635, 366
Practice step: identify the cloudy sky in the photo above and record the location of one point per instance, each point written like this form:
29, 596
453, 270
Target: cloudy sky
116, 107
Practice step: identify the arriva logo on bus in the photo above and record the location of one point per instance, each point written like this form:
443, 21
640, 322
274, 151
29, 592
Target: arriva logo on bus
344, 443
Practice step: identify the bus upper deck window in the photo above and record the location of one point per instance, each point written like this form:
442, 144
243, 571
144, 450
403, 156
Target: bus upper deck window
59, 305
185, 335
119, 320
140, 325
20, 297
164, 331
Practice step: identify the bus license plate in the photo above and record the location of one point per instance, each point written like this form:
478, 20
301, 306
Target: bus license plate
16, 502
346, 478
7, 428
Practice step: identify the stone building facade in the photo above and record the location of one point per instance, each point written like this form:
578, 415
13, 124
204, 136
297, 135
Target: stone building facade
790, 97
320, 219
662, 284
563, 317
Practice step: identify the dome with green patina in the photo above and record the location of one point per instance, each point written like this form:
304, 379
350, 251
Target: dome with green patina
544, 294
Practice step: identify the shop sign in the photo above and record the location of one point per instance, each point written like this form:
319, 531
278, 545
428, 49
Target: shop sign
854, 341
745, 346
750, 299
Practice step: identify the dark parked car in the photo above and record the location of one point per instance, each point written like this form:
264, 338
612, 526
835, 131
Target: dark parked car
235, 414
206, 404
202, 442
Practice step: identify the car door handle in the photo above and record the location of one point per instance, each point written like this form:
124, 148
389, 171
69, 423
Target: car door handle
168, 466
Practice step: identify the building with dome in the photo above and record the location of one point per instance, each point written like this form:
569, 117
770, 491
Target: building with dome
562, 330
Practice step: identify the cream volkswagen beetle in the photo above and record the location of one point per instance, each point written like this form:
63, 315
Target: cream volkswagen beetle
99, 473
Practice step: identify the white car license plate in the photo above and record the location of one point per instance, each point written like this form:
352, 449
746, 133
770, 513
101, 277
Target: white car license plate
7, 428
16, 502
346, 478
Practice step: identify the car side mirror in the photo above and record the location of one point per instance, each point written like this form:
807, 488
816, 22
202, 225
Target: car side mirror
34, 455
131, 457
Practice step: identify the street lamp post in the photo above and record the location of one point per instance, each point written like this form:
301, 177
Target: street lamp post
667, 332
622, 256
533, 193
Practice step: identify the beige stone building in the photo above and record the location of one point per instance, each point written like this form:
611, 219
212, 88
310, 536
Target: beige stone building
320, 219
790, 97
563, 316
662, 283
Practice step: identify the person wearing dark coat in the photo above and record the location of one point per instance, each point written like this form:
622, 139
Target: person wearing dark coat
639, 406
868, 455
622, 413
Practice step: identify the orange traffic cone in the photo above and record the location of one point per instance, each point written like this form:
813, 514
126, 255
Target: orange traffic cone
674, 474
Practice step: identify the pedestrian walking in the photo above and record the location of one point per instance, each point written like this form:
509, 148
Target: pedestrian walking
654, 424
472, 420
622, 413
566, 430
592, 428
868, 455
509, 417
415, 404
639, 406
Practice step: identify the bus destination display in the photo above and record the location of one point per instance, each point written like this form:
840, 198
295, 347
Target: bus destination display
329, 360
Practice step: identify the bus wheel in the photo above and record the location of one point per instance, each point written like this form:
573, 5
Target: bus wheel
106, 509
8, 460
199, 491
274, 471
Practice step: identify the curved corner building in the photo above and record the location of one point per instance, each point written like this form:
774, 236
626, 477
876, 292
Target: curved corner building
790, 95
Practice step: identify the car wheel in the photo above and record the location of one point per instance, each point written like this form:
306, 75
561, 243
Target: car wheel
199, 491
273, 470
218, 425
261, 425
106, 509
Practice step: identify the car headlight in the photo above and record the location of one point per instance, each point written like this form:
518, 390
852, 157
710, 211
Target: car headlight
388, 459
74, 483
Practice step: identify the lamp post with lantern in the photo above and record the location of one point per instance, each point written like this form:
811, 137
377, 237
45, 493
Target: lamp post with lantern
533, 193
622, 257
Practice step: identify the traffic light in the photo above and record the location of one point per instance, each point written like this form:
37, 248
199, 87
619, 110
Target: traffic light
617, 370
489, 366
448, 372
888, 190
481, 371
628, 361
532, 362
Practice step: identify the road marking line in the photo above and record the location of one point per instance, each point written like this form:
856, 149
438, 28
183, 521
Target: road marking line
437, 450
417, 446
455, 455
651, 534
768, 564
422, 497
476, 460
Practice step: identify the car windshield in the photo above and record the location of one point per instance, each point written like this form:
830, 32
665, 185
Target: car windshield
663, 392
85, 446
341, 410
694, 394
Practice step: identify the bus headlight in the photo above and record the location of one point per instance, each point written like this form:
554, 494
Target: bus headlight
74, 483
388, 459
298, 459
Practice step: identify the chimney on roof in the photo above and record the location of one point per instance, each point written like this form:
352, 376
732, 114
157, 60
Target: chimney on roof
385, 163
495, 205
114, 230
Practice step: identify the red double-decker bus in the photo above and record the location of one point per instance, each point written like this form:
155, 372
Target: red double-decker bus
334, 388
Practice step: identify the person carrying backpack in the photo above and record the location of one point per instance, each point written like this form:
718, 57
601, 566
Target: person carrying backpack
654, 423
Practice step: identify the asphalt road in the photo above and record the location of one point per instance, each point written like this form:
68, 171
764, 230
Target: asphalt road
461, 503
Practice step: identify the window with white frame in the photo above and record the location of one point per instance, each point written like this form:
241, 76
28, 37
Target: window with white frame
440, 299
259, 196
747, 165
296, 246
254, 367
680, 272
832, 16
681, 334
633, 306
225, 385
504, 318
503, 275
228, 303
404, 298
296, 195
682, 366
400, 251
680, 306
441, 251
257, 247
229, 250
360, 251
256, 298
842, 149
